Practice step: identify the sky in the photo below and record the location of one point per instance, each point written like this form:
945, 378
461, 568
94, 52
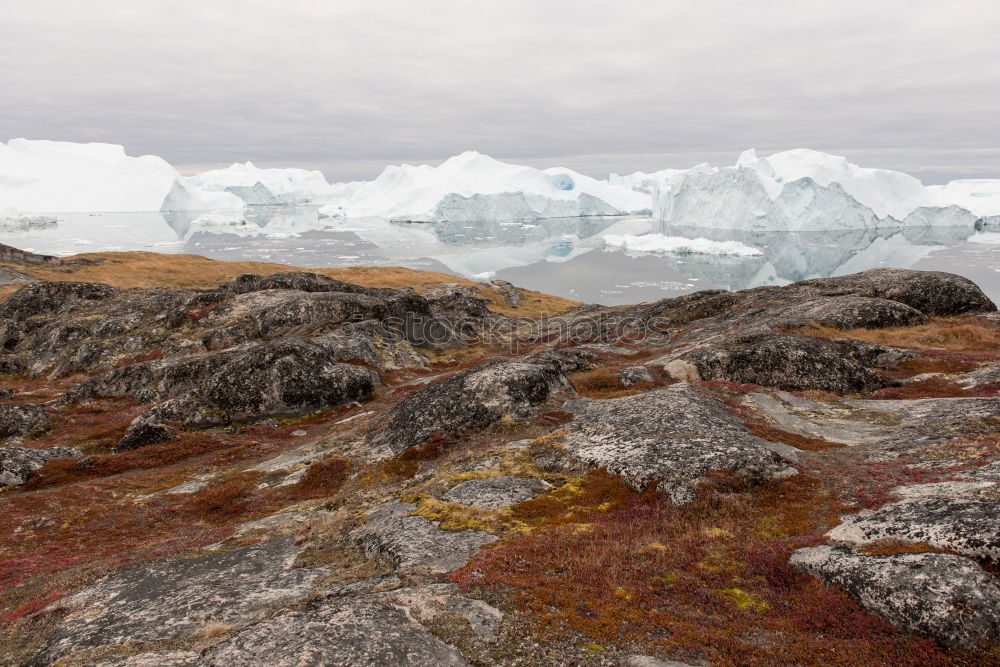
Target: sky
350, 86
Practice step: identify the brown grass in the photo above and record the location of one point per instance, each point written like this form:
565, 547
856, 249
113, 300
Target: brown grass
605, 383
406, 464
937, 387
948, 365
890, 547
968, 333
762, 429
148, 269
94, 426
322, 480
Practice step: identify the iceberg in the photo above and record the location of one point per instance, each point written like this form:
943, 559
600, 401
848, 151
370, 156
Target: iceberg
473, 187
265, 187
806, 190
980, 196
65, 177
678, 245
13, 220
642, 181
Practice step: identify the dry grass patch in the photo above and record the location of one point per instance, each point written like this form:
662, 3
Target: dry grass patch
890, 547
947, 365
762, 429
605, 383
967, 333
937, 387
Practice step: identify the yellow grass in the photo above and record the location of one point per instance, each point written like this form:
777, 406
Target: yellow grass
959, 334
149, 269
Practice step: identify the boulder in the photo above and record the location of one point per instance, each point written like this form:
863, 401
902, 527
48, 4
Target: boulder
18, 464
944, 596
673, 436
269, 313
50, 297
468, 401
511, 295
930, 292
633, 375
850, 312
282, 378
569, 359
965, 525
785, 361
22, 419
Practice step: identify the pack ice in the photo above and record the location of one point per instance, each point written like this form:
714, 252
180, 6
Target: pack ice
805, 190
473, 187
61, 177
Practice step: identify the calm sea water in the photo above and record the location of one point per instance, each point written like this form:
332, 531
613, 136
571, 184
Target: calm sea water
561, 256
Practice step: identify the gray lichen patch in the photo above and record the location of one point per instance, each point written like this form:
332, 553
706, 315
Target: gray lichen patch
340, 631
177, 599
673, 436
967, 526
494, 492
946, 597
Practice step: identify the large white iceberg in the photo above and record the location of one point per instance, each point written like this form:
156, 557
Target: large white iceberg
474, 187
801, 190
270, 187
62, 177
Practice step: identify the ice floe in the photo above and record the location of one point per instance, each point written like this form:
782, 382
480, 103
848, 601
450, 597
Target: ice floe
678, 245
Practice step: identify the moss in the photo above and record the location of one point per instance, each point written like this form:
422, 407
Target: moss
745, 600
456, 516
552, 439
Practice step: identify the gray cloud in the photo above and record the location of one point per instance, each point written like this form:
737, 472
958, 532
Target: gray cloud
351, 85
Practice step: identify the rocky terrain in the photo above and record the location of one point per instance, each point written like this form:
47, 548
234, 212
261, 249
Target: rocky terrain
291, 468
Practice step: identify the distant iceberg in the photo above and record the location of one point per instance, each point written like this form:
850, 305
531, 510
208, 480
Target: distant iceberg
13, 220
265, 187
678, 245
65, 177
473, 187
805, 190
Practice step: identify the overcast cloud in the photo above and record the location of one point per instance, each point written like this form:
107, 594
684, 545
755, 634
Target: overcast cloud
349, 86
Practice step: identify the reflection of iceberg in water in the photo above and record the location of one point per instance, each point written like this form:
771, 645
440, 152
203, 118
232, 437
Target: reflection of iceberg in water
472, 249
275, 222
791, 256
565, 256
